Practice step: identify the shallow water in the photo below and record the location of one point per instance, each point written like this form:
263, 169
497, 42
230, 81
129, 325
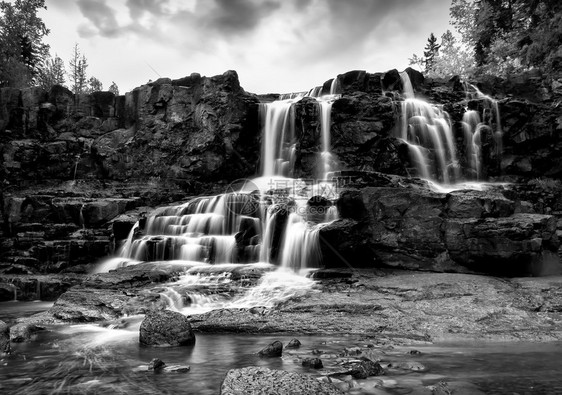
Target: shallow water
89, 359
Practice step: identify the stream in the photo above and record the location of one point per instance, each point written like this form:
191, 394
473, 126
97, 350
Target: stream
89, 359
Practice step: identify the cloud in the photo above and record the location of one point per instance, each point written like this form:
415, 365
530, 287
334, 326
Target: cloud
228, 17
137, 8
101, 16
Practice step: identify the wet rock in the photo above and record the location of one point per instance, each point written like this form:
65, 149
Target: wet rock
4, 338
177, 369
24, 332
166, 329
361, 369
156, 364
314, 363
273, 382
274, 349
294, 343
81, 305
408, 365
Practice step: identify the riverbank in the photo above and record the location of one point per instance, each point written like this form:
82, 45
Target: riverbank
387, 304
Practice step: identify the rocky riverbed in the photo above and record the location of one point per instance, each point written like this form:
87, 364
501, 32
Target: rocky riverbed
400, 305
374, 322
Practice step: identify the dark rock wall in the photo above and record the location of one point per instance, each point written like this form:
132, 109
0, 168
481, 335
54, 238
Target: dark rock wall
173, 138
195, 129
71, 164
365, 118
391, 222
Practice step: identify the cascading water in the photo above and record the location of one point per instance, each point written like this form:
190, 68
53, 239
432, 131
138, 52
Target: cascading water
427, 131
271, 220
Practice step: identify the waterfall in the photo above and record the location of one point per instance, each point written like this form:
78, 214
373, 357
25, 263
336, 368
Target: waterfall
427, 131
490, 117
325, 155
272, 219
278, 145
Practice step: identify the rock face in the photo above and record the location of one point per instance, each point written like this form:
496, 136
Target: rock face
196, 134
66, 159
391, 223
194, 128
166, 329
253, 380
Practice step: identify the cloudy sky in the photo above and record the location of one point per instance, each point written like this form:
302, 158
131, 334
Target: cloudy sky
274, 45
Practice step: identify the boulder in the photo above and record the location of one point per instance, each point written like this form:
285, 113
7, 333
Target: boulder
314, 363
254, 380
166, 329
23, 332
361, 369
4, 338
274, 349
294, 343
156, 364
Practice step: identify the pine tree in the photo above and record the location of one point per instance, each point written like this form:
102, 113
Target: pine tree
431, 52
78, 65
21, 48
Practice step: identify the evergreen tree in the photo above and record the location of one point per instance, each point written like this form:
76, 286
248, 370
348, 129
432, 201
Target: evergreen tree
78, 65
431, 52
21, 48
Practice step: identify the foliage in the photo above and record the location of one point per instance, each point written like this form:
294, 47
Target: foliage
453, 59
78, 65
511, 35
21, 48
51, 73
113, 88
94, 85
418, 61
431, 52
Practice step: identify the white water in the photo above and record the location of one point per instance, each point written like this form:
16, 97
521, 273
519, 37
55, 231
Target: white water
428, 133
265, 221
427, 130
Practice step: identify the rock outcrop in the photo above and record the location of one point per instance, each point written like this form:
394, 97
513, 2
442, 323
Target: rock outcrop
396, 223
194, 129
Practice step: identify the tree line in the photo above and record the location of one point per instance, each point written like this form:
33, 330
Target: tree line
498, 37
25, 60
